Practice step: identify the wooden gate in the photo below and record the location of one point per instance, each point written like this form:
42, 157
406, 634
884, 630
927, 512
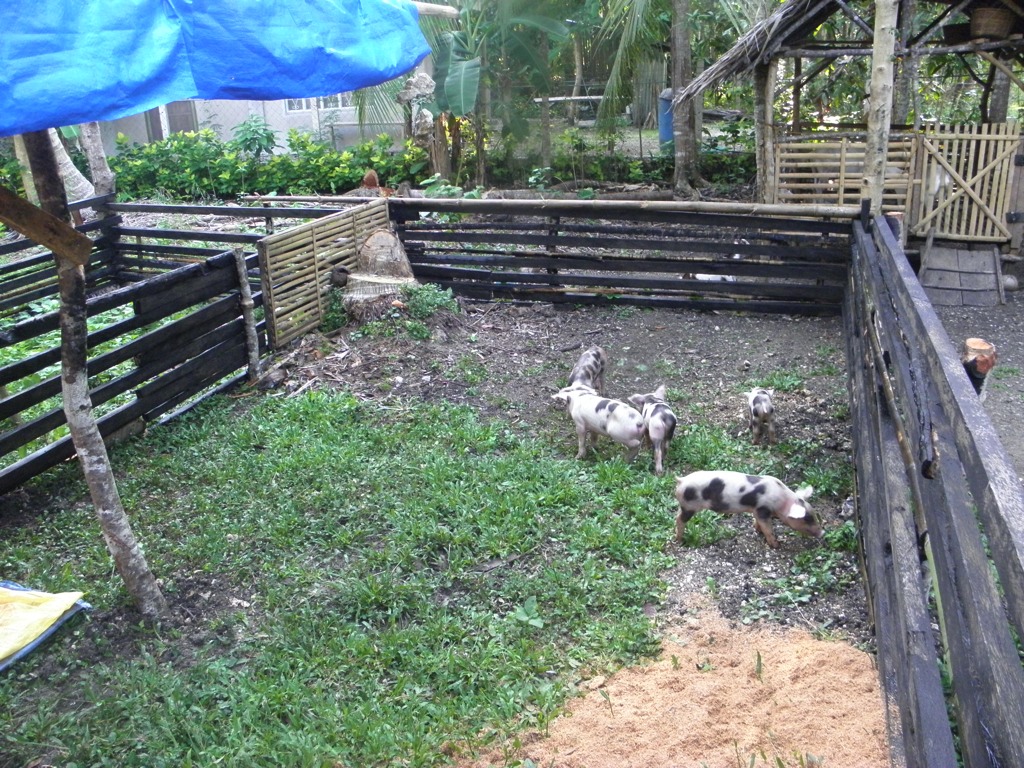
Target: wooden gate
964, 182
948, 182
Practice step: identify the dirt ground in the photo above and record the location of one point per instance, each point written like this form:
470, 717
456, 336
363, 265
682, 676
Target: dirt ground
702, 703
800, 686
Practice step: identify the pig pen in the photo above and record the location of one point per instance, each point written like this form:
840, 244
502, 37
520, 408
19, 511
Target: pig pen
516, 354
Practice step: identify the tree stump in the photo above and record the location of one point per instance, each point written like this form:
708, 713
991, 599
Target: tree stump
382, 268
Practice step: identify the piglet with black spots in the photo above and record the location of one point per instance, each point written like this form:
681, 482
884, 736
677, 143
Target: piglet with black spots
589, 370
730, 492
597, 415
762, 414
659, 421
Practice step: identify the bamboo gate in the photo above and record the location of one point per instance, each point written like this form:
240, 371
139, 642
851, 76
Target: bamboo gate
939, 505
947, 182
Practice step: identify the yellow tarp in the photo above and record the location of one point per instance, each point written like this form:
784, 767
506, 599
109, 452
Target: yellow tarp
26, 616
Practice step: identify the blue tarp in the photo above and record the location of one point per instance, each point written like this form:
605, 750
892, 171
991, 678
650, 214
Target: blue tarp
64, 62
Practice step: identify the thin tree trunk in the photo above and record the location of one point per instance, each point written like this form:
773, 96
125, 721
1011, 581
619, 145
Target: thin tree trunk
577, 82
103, 178
764, 130
545, 132
440, 156
906, 76
686, 175
26, 171
92, 453
999, 96
77, 187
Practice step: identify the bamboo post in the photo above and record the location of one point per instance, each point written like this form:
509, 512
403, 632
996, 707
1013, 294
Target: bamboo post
252, 341
879, 115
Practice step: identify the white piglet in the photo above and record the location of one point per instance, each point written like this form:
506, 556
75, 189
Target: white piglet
659, 422
597, 415
731, 492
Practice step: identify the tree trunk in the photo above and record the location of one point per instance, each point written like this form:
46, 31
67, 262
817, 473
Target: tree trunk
440, 158
76, 185
999, 96
545, 132
92, 144
573, 112
764, 130
880, 102
92, 453
906, 67
686, 175
26, 171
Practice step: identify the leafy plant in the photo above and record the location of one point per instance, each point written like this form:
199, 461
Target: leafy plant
426, 300
197, 165
334, 315
255, 136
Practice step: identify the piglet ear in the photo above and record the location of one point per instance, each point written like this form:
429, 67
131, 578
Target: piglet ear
804, 493
797, 512
660, 392
637, 400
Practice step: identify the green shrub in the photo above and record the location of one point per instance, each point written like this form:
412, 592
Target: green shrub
200, 164
422, 301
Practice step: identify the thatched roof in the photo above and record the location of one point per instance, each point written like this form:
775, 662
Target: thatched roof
795, 19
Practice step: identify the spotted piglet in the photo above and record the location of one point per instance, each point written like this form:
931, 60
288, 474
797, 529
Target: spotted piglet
659, 421
597, 415
589, 370
762, 414
731, 492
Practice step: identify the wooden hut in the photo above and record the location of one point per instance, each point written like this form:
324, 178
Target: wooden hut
956, 187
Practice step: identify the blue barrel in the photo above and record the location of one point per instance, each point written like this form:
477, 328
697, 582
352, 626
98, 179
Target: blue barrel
665, 120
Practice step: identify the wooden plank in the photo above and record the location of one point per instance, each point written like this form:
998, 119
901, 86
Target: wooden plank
231, 211
990, 474
805, 292
828, 272
128, 248
245, 238
566, 296
908, 667
794, 253
768, 217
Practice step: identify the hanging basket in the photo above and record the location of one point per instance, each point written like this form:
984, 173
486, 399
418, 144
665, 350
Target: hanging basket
996, 23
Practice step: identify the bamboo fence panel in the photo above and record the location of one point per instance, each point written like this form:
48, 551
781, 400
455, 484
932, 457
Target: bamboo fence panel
964, 182
827, 170
296, 265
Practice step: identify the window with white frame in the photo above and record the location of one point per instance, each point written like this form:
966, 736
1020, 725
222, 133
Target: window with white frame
336, 101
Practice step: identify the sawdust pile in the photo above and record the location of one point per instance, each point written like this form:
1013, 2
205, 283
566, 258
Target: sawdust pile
721, 696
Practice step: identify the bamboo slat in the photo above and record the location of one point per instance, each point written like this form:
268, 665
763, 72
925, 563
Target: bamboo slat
296, 265
965, 178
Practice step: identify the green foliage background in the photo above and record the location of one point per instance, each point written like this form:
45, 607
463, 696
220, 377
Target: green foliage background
199, 164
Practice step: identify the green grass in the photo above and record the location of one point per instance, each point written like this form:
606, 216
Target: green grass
392, 579
392, 595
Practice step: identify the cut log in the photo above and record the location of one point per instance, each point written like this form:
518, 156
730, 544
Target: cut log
979, 358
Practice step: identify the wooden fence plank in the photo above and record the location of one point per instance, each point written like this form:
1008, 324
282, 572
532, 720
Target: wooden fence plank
991, 477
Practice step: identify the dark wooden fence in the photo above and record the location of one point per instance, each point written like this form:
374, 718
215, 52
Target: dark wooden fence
161, 333
942, 522
654, 254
